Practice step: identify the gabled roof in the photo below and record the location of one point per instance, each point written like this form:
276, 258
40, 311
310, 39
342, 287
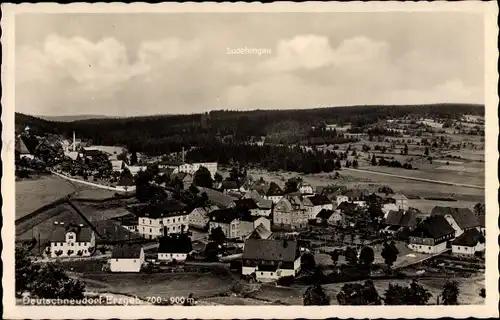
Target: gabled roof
274, 190
126, 251
399, 196
324, 214
354, 193
126, 182
163, 210
83, 233
91, 152
166, 171
261, 232
224, 215
433, 227
176, 243
347, 206
246, 203
21, 146
319, 200
217, 198
469, 238
464, 217
402, 218
265, 204
270, 250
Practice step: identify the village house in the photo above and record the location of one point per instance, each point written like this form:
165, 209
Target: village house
248, 204
198, 218
264, 206
169, 218
127, 258
401, 201
129, 222
269, 260
431, 235
217, 198
71, 240
22, 150
355, 196
234, 224
290, 213
305, 188
388, 207
461, 219
273, 193
118, 165
175, 247
330, 192
229, 186
184, 177
330, 217
467, 244
315, 204
398, 220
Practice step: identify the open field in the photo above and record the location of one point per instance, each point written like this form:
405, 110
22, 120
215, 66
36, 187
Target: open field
354, 179
160, 284
33, 194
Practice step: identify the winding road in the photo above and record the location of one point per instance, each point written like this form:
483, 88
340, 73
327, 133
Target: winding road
418, 179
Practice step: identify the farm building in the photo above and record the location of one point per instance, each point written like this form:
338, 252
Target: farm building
261, 232
397, 220
269, 260
461, 219
431, 235
71, 240
305, 188
174, 247
401, 201
198, 218
247, 204
315, 204
273, 193
470, 242
127, 258
234, 224
330, 217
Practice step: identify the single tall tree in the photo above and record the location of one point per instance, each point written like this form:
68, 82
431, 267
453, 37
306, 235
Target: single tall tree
450, 293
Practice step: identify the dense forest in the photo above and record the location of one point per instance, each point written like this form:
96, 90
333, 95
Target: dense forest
157, 135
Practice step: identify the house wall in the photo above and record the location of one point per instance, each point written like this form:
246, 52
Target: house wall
274, 199
171, 256
224, 226
306, 189
402, 204
72, 245
341, 199
451, 221
266, 222
431, 249
335, 218
245, 228
125, 265
466, 250
198, 218
263, 212
151, 228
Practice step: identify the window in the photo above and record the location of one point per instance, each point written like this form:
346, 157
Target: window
271, 273
135, 260
150, 230
70, 237
116, 260
262, 273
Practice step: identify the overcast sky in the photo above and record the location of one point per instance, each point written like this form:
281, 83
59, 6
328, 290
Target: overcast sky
139, 64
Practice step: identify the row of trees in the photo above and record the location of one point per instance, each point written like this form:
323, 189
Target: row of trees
366, 294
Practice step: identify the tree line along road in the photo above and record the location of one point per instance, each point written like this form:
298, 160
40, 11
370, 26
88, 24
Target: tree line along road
418, 179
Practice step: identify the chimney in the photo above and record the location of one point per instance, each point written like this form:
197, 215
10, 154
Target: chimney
182, 155
74, 141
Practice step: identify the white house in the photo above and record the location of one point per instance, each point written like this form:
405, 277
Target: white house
174, 247
330, 217
228, 220
305, 188
117, 165
290, 213
71, 241
170, 218
470, 242
269, 260
127, 258
273, 193
315, 204
431, 235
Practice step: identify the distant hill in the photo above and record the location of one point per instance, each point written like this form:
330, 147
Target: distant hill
71, 118
161, 134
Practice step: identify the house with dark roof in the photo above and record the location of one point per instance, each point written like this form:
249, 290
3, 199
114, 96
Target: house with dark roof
247, 204
71, 240
315, 204
461, 219
273, 193
468, 243
269, 260
127, 258
218, 198
236, 224
23, 148
261, 232
169, 217
330, 217
397, 220
184, 177
174, 247
431, 235
290, 213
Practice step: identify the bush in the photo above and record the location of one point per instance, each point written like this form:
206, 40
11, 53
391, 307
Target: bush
286, 281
